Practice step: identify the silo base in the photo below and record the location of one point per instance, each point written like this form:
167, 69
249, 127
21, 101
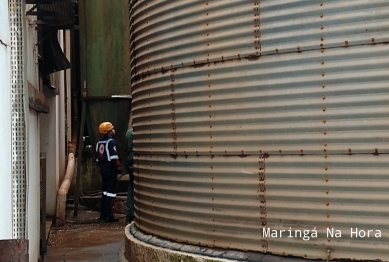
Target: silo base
140, 247
140, 251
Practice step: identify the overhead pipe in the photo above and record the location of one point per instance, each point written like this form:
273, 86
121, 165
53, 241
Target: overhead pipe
63, 191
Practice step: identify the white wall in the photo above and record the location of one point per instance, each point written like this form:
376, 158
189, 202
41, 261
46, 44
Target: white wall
5, 116
53, 139
33, 141
49, 146
32, 73
33, 180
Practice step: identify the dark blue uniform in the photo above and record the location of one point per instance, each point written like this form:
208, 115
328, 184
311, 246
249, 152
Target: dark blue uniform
109, 163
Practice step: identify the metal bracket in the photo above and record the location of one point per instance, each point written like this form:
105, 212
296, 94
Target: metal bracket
328, 254
36, 13
29, 12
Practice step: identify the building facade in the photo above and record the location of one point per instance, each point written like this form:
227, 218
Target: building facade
33, 114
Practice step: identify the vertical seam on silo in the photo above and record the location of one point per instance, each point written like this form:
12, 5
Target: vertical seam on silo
173, 104
262, 201
257, 25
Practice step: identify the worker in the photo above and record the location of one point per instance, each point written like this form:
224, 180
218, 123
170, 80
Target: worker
130, 169
110, 169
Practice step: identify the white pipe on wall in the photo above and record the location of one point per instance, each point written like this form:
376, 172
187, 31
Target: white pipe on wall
63, 191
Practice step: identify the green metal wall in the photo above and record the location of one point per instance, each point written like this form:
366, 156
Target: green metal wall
104, 48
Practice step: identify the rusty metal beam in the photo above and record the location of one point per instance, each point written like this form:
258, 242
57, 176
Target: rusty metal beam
41, 13
49, 27
41, 22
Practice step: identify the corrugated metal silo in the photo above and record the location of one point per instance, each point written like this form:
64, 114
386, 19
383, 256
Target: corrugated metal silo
254, 117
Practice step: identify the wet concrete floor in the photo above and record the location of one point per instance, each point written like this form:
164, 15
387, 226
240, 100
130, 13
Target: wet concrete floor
84, 239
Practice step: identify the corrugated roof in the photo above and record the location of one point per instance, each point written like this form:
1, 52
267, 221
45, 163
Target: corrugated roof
54, 13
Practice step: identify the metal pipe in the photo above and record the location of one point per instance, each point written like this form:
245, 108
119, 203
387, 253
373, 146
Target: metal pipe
67, 180
63, 191
79, 157
62, 114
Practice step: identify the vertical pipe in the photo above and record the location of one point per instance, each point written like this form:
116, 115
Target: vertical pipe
81, 10
68, 90
63, 191
79, 157
43, 174
62, 114
73, 92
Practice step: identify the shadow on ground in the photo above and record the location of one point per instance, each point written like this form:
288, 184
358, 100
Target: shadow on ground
84, 239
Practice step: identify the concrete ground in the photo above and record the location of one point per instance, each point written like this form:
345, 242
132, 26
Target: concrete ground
84, 239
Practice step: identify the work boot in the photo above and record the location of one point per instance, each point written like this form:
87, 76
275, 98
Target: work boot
111, 219
109, 214
108, 208
103, 208
102, 216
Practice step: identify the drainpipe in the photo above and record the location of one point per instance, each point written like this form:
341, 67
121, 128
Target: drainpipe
63, 191
61, 114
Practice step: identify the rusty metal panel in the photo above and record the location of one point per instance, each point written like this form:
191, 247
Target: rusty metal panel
14, 250
293, 136
298, 25
212, 201
334, 102
195, 32
338, 192
200, 31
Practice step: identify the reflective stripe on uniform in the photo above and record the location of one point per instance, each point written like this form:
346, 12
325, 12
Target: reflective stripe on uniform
111, 195
97, 148
107, 149
109, 157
